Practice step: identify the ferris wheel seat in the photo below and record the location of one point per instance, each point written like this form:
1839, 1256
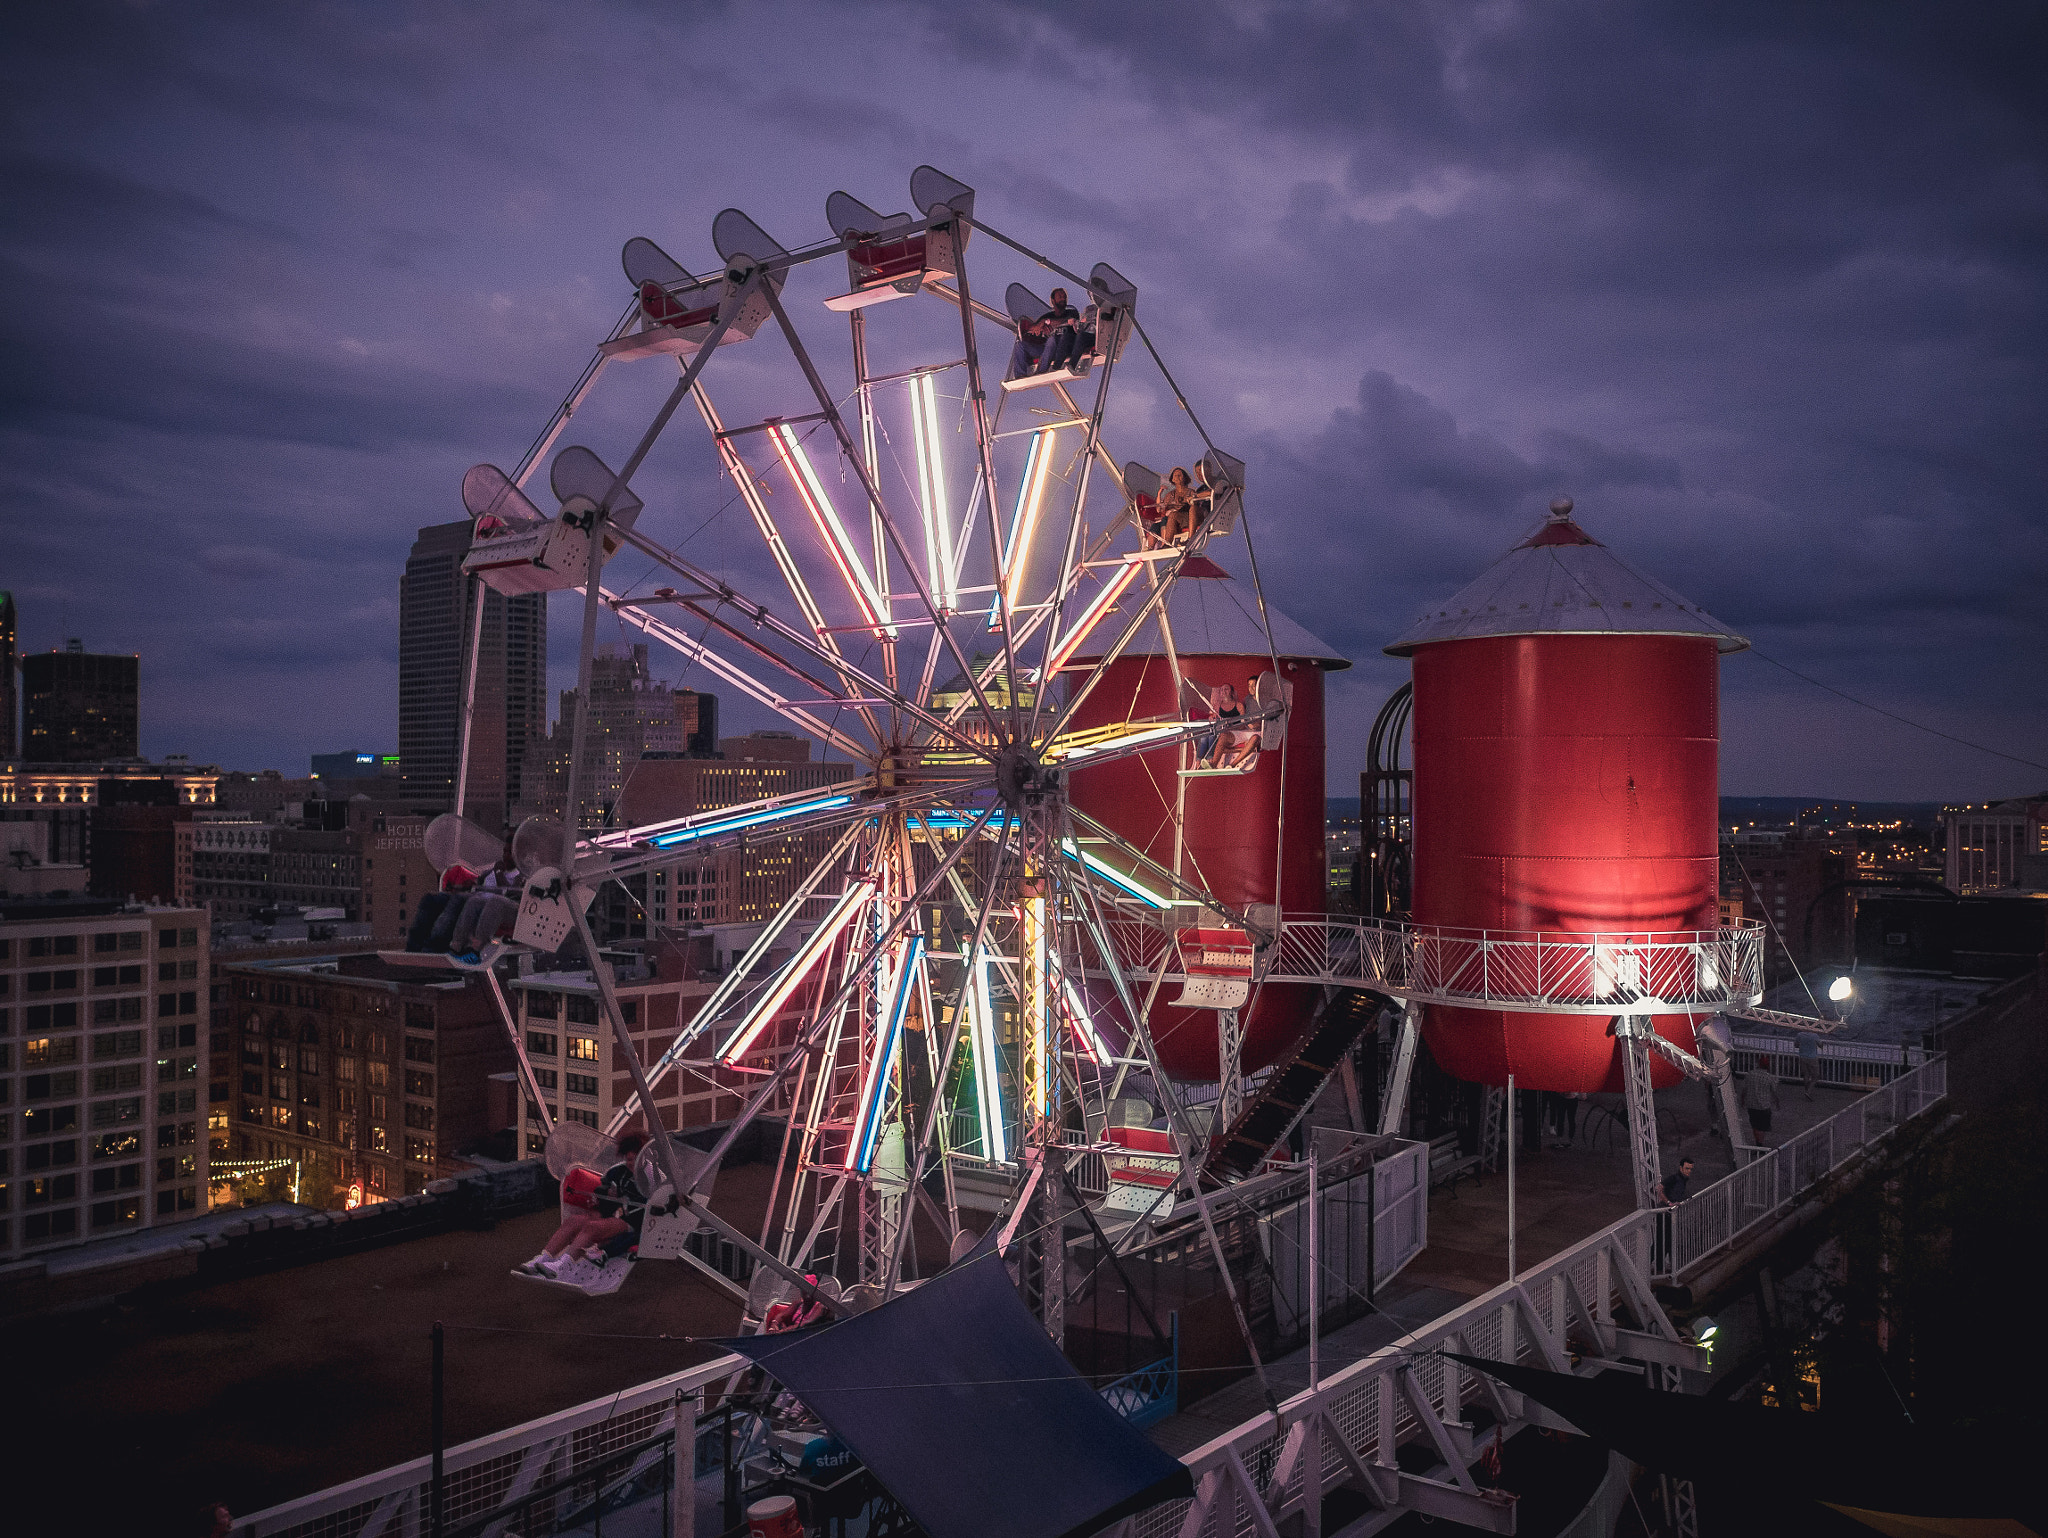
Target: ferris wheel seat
882, 292
1209, 774
545, 559
1078, 369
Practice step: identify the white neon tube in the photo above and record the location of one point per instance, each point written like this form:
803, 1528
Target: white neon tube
811, 491
834, 924
1124, 741
1093, 1047
1111, 874
931, 485
867, 1124
981, 1019
1024, 518
1089, 618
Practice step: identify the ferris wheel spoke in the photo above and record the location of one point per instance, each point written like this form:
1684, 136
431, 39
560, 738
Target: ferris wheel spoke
880, 504
1154, 604
1136, 875
696, 651
856, 968
1063, 588
825, 651
729, 986
826, 641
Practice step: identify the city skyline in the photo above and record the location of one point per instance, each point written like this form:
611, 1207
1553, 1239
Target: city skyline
1761, 294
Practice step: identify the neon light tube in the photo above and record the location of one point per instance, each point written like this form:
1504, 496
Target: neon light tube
1116, 877
981, 1020
1145, 734
1089, 617
751, 819
931, 485
812, 492
867, 1124
834, 924
1038, 1039
1024, 518
1093, 1047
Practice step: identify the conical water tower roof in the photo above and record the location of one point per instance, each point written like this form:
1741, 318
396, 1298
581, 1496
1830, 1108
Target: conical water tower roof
1562, 581
1213, 615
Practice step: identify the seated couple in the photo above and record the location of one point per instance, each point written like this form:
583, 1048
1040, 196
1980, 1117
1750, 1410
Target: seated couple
1234, 744
1178, 507
468, 912
1053, 341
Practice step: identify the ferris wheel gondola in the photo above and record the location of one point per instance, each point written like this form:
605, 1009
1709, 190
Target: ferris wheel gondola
955, 984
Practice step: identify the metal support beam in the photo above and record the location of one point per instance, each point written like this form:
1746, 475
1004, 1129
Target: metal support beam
1230, 1073
1642, 1106
1394, 1106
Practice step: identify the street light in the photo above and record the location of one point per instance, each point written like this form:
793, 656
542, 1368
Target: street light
1840, 989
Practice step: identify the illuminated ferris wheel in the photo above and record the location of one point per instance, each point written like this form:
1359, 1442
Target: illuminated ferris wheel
933, 563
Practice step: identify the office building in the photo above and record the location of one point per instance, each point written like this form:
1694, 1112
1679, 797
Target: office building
357, 1074
435, 618
633, 715
100, 1088
396, 872
355, 766
79, 707
1996, 844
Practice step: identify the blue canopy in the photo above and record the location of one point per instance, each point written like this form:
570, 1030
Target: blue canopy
965, 1411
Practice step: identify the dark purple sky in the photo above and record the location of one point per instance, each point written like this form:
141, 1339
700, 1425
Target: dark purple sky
1761, 286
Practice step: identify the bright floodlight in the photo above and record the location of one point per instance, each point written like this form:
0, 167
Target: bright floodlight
1840, 988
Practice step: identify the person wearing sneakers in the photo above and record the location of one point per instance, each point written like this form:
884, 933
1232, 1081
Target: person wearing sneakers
602, 1215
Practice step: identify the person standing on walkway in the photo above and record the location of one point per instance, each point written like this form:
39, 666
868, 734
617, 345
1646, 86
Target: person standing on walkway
1760, 1097
1672, 1189
1809, 1061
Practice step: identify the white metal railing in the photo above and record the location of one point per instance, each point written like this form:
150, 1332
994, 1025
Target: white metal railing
1845, 1064
481, 1476
1718, 1215
1645, 971
1687, 971
1347, 1430
1404, 1391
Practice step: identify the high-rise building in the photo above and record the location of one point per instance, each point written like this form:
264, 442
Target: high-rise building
9, 708
100, 1087
633, 715
435, 619
78, 706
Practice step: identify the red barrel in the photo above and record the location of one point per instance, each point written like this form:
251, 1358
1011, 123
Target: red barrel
1239, 842
775, 1517
1566, 738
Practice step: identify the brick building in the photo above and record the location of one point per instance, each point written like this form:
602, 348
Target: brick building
357, 1072
100, 1089
1802, 889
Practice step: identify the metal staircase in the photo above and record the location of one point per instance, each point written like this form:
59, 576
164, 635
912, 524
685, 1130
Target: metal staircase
1292, 1086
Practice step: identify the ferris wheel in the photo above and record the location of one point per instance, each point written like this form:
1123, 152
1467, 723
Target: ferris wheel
931, 561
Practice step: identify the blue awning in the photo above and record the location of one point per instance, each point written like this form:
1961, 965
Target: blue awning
961, 1406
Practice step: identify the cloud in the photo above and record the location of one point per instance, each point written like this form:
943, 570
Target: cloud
1761, 287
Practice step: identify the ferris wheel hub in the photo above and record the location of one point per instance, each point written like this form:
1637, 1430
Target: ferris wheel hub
1022, 782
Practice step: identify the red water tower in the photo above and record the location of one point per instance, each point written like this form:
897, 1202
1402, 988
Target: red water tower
1238, 832
1566, 735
